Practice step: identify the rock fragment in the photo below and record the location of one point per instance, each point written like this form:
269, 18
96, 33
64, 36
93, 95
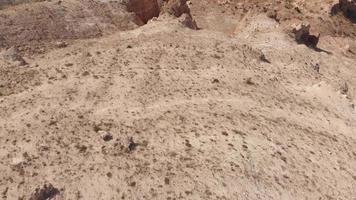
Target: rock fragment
45, 193
106, 136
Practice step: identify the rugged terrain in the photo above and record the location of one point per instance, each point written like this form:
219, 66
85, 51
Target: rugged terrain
96, 104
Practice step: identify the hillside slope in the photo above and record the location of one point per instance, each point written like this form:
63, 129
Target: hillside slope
166, 112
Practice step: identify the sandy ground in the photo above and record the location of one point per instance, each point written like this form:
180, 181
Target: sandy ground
166, 112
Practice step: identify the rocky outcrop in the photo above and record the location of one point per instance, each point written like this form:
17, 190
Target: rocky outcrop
179, 8
144, 9
148, 9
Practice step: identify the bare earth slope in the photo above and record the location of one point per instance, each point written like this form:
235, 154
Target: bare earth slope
166, 112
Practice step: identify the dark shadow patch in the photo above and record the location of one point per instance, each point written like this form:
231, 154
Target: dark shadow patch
346, 10
45, 193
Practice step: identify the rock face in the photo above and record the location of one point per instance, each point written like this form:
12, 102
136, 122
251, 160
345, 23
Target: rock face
179, 8
348, 7
144, 9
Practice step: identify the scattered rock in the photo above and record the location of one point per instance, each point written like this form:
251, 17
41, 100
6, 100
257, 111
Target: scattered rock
273, 15
316, 67
45, 193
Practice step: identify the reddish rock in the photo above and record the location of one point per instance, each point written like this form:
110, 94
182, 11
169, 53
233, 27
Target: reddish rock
144, 9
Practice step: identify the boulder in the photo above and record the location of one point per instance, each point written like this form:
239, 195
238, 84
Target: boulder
348, 7
303, 36
144, 9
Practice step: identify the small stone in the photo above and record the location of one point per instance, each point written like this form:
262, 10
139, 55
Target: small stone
132, 145
106, 136
216, 81
85, 73
166, 181
187, 143
249, 81
61, 44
